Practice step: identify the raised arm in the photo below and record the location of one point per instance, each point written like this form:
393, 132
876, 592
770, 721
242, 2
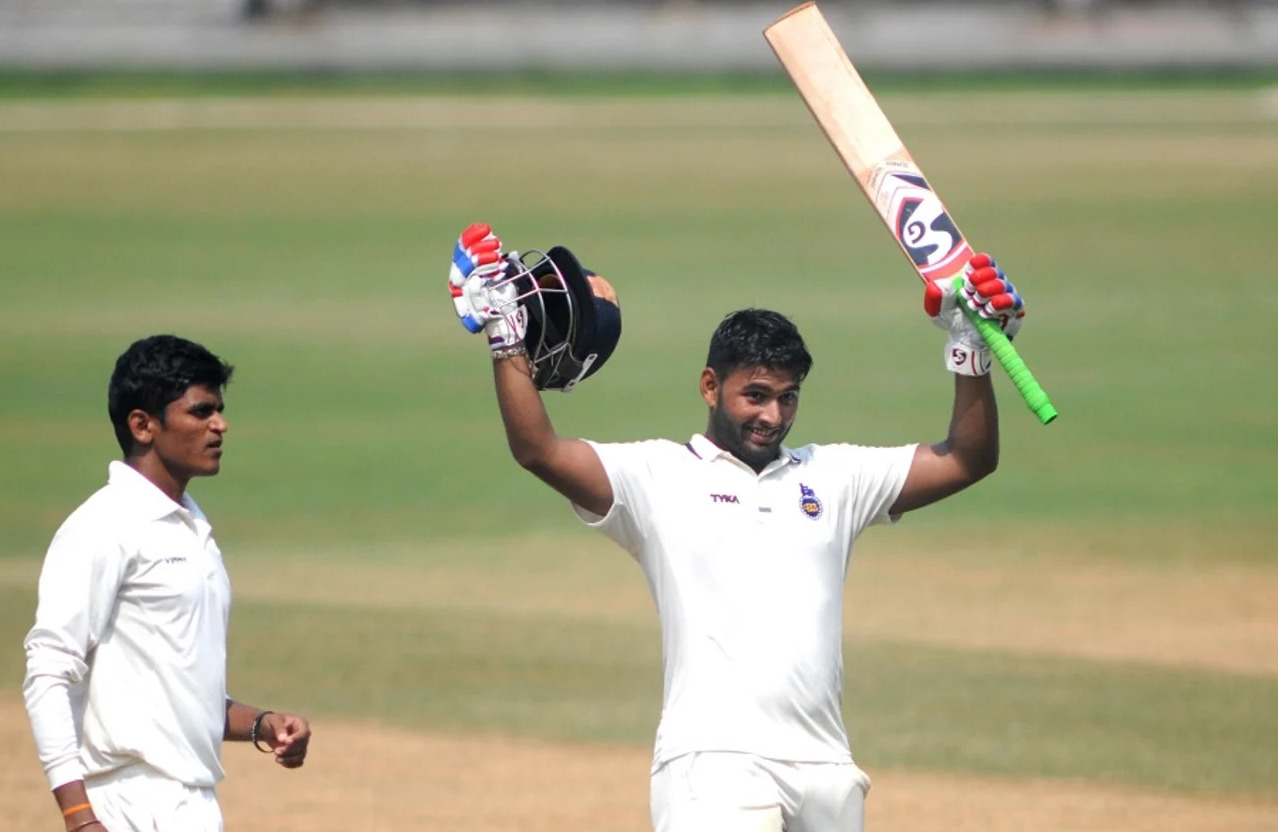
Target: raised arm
570, 466
969, 453
487, 302
970, 450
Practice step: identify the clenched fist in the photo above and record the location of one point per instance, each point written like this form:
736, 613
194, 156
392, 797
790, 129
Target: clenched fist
987, 292
482, 296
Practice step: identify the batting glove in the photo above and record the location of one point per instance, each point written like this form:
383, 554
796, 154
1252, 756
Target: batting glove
483, 299
986, 291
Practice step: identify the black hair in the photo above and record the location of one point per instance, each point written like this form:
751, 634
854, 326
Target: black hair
153, 373
758, 338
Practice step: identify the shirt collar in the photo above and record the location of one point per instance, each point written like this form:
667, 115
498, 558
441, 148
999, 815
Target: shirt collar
144, 495
704, 449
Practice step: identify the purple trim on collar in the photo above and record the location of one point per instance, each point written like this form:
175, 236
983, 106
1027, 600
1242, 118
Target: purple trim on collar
692, 450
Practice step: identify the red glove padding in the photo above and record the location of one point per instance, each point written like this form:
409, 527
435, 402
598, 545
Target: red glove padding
483, 300
986, 291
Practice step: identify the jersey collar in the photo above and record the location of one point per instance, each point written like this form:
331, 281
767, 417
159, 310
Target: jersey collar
144, 496
704, 449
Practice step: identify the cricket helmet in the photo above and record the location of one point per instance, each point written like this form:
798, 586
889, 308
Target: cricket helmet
571, 331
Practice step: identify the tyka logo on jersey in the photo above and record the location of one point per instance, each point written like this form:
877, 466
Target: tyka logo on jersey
808, 502
724, 498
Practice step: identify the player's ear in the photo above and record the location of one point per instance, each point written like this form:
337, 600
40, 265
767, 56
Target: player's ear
709, 387
142, 425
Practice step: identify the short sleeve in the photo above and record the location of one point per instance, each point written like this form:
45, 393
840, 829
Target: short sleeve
878, 475
630, 473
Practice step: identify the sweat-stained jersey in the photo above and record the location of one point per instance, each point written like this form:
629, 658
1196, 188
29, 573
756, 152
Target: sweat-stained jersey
747, 572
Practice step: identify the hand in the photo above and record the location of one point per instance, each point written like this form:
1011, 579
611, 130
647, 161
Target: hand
987, 292
288, 735
481, 297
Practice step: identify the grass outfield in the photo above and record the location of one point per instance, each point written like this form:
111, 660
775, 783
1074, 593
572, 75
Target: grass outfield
146, 84
304, 239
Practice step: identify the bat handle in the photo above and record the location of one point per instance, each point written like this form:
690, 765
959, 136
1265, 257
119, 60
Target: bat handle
1033, 393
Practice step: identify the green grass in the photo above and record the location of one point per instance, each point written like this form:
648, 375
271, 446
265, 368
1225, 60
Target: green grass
362, 417
930, 708
147, 84
311, 259
906, 706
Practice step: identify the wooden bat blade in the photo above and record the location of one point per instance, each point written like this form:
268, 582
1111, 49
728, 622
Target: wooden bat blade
867, 143
833, 90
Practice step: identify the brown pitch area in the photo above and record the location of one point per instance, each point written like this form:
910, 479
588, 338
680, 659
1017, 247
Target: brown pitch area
368, 778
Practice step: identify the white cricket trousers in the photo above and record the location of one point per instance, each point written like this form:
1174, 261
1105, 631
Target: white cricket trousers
138, 798
733, 792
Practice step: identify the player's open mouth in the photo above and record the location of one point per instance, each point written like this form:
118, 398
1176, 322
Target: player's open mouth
761, 437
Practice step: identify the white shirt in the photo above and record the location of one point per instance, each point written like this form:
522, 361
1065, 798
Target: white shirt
747, 573
127, 658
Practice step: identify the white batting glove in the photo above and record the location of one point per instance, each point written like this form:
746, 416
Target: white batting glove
482, 297
986, 291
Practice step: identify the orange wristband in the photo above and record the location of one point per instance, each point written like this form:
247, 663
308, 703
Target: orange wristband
79, 807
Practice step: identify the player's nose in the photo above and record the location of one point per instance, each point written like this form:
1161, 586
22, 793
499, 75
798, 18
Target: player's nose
771, 413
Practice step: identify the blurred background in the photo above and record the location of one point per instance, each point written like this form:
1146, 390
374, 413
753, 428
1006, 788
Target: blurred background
1088, 639
628, 34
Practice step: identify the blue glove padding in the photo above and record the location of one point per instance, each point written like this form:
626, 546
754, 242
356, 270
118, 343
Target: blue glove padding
477, 253
483, 300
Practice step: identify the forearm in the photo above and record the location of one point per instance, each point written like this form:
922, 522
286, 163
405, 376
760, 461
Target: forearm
969, 451
48, 704
239, 721
529, 433
973, 434
570, 466
77, 597
73, 803
287, 735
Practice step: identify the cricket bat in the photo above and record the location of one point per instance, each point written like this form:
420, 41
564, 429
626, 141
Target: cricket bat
866, 141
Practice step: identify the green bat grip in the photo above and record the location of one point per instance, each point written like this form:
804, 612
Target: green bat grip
1035, 396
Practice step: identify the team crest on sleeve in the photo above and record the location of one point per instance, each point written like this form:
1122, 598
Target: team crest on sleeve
808, 502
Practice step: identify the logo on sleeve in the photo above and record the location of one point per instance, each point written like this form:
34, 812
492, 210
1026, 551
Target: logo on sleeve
808, 502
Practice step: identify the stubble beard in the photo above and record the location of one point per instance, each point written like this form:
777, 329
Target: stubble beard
729, 435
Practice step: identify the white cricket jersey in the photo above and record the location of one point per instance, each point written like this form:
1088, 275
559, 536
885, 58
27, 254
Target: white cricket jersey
747, 572
127, 658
